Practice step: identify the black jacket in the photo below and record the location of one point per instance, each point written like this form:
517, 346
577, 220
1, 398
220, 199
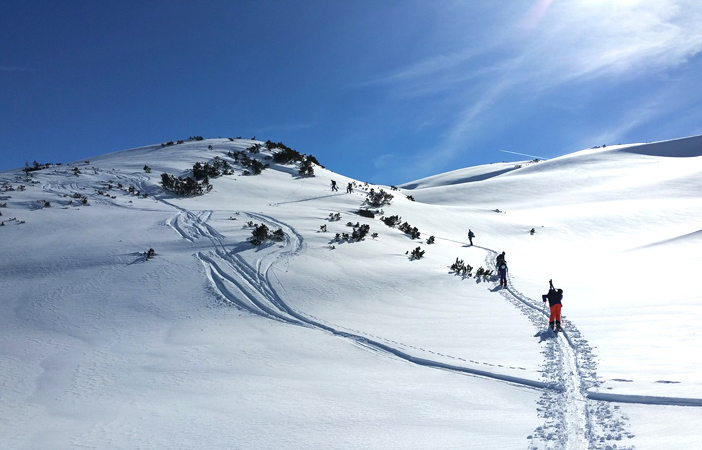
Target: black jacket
553, 297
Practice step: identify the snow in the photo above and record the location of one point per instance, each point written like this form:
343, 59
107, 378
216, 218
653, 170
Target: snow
313, 342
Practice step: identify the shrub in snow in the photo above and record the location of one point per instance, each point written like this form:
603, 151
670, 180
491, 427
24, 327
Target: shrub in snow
284, 155
374, 235
184, 187
391, 221
261, 233
409, 197
417, 253
147, 169
409, 229
430, 240
485, 274
360, 232
334, 217
366, 213
213, 169
150, 253
460, 268
378, 198
306, 168
76, 171
323, 228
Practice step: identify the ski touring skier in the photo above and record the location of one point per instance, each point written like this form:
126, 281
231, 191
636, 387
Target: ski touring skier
334, 187
502, 271
471, 235
500, 259
554, 298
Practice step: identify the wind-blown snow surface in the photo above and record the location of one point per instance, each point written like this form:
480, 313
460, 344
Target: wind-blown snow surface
314, 343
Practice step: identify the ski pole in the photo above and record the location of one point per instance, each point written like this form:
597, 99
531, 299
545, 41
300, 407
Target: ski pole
544, 313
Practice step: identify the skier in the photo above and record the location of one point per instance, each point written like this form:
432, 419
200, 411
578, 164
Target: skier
500, 259
470, 236
349, 188
554, 298
334, 186
502, 270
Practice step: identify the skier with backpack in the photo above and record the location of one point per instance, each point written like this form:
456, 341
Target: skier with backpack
471, 235
554, 298
502, 271
499, 260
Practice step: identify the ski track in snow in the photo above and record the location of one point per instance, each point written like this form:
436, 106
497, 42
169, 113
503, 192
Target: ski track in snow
574, 419
248, 287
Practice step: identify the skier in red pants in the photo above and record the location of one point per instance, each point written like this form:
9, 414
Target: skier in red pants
554, 298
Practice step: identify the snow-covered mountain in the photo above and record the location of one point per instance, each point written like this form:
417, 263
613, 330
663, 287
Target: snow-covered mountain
316, 340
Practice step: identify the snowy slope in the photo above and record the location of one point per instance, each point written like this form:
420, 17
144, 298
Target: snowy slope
312, 342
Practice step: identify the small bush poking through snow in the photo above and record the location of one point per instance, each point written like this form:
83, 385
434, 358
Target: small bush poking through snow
409, 229
392, 220
417, 253
378, 198
485, 274
460, 268
261, 233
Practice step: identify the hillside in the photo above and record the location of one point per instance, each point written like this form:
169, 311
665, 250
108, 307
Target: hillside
320, 341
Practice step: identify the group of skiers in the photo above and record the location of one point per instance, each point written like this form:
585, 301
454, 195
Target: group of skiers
553, 297
335, 188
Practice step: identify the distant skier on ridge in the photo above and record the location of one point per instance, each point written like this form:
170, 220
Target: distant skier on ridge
554, 298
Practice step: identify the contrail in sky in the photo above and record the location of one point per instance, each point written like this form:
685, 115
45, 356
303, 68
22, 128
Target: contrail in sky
524, 154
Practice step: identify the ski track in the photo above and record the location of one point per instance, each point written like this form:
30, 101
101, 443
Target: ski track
248, 287
574, 419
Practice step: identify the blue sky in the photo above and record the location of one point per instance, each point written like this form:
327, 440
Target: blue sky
382, 91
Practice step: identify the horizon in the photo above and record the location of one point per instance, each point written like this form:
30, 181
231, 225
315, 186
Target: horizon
385, 93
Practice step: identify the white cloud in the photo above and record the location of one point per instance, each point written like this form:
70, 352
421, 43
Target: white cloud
549, 45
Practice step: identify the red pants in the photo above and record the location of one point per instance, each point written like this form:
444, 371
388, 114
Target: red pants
555, 313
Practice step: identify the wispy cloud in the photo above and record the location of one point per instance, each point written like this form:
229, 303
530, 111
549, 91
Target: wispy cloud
550, 45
